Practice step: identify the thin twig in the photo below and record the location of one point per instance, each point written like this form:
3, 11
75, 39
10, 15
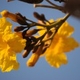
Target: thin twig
60, 8
57, 28
35, 23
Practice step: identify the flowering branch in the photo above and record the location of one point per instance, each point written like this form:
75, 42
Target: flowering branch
53, 37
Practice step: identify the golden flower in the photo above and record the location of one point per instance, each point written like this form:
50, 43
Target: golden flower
10, 44
61, 43
5, 26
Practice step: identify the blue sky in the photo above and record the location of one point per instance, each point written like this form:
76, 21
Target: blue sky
42, 70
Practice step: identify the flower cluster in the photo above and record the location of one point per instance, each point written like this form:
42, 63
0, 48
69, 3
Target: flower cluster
10, 44
49, 38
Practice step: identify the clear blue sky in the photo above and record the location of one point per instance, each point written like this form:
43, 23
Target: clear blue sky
42, 70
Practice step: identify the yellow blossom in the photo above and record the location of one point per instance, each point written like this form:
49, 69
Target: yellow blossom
61, 43
5, 26
10, 44
55, 59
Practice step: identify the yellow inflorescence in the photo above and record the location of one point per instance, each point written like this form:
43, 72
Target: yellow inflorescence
10, 44
61, 43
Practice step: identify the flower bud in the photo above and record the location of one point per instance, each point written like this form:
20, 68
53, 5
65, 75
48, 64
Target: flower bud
4, 13
44, 18
32, 60
19, 28
35, 48
7, 14
37, 16
14, 17
25, 53
34, 57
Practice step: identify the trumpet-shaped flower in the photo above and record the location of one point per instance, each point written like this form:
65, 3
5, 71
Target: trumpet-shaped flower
61, 43
10, 44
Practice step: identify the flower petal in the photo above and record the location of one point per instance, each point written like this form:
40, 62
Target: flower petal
69, 44
10, 44
56, 60
16, 43
5, 25
8, 60
65, 29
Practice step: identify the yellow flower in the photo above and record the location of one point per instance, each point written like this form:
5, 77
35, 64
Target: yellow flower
61, 43
56, 60
10, 44
16, 43
5, 26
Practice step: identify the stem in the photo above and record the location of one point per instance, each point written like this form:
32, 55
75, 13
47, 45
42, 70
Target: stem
35, 23
58, 23
66, 16
41, 37
60, 8
45, 6
57, 28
